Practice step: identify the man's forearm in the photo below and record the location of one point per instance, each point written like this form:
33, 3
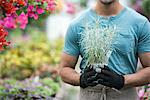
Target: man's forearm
140, 78
70, 76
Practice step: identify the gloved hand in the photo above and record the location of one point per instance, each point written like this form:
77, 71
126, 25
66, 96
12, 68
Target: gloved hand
88, 78
110, 78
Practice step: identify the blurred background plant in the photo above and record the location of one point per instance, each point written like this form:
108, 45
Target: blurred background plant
29, 89
141, 6
144, 92
28, 54
15, 13
27, 57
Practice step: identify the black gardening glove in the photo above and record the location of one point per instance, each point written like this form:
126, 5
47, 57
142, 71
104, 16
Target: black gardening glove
88, 78
110, 78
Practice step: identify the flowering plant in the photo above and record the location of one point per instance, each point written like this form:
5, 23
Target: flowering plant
144, 92
3, 34
15, 13
17, 62
141, 6
28, 89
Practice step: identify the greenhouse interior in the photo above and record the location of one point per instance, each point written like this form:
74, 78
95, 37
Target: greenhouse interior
35, 50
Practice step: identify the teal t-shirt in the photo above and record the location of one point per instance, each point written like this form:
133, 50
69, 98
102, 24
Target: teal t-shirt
132, 37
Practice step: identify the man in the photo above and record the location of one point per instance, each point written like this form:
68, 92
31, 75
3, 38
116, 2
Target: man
132, 42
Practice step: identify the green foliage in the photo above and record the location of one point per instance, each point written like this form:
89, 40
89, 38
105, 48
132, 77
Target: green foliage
133, 1
146, 7
83, 3
52, 85
28, 89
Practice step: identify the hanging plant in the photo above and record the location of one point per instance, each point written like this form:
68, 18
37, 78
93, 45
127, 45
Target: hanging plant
15, 13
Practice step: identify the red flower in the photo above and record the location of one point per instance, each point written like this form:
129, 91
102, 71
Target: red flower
2, 2
3, 34
21, 2
7, 6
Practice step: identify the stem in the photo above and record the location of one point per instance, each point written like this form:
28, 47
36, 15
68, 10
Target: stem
3, 12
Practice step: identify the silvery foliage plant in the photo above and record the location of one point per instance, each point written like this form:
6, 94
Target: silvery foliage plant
96, 42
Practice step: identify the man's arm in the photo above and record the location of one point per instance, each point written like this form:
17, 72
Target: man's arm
142, 77
67, 69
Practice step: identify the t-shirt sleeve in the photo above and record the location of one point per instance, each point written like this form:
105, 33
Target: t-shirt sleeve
71, 45
144, 38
